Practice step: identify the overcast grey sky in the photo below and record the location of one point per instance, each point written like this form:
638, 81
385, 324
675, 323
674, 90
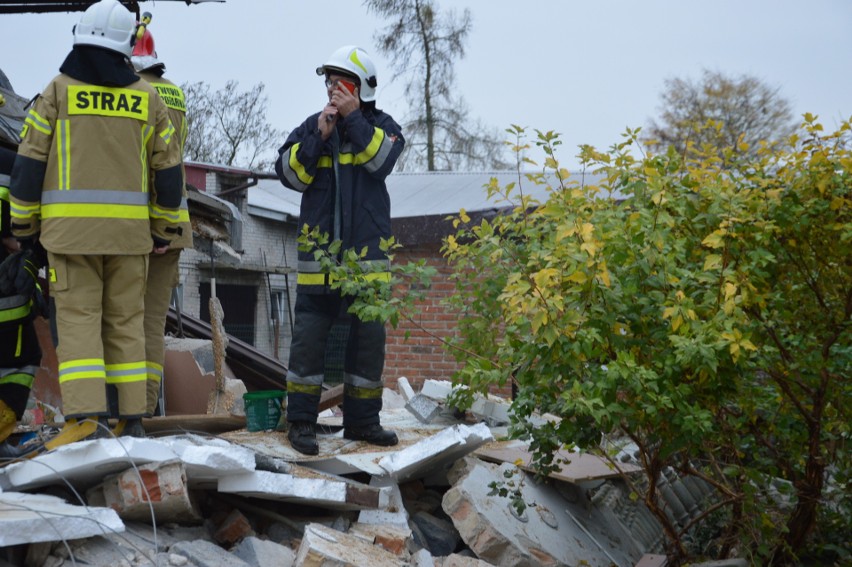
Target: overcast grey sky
584, 69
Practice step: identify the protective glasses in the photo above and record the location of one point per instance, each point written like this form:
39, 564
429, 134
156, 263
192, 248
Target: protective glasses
347, 84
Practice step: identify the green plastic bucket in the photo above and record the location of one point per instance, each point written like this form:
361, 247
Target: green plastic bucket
263, 409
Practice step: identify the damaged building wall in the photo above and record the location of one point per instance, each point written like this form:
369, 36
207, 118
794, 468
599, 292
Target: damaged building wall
251, 252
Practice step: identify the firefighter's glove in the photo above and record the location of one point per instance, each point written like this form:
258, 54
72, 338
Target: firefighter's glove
19, 274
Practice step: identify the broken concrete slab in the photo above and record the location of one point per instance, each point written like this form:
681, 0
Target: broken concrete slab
550, 530
325, 547
458, 560
208, 459
435, 452
311, 488
87, 462
84, 463
31, 518
575, 468
337, 455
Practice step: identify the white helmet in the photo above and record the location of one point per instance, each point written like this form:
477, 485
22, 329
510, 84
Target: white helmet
353, 60
106, 24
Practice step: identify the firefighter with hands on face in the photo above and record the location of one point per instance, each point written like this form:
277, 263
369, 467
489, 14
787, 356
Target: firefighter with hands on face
338, 159
163, 274
20, 300
91, 145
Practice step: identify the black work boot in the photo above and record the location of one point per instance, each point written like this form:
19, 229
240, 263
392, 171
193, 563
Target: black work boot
374, 434
303, 437
129, 428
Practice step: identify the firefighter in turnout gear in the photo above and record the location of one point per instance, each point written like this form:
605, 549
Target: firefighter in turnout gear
163, 275
338, 159
91, 145
20, 355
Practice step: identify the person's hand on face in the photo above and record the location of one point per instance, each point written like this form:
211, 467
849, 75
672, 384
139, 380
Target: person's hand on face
342, 99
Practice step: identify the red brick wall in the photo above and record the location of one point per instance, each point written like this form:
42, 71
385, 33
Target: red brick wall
422, 356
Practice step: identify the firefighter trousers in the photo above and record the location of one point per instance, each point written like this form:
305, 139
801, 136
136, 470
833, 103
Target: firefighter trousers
101, 342
162, 278
364, 359
20, 354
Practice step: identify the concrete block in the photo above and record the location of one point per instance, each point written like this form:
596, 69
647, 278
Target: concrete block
203, 553
325, 547
157, 488
423, 408
405, 389
392, 538
493, 411
437, 389
394, 513
435, 452
264, 553
32, 518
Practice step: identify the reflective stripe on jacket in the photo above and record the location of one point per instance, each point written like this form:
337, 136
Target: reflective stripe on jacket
370, 144
175, 100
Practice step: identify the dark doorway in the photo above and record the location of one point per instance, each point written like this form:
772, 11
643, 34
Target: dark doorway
238, 304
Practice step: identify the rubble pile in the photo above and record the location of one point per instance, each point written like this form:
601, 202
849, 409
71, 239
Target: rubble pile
247, 498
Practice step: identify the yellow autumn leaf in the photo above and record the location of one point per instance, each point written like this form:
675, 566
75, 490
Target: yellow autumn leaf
578, 277
590, 248
587, 230
730, 290
677, 322
712, 262
716, 239
463, 216
542, 278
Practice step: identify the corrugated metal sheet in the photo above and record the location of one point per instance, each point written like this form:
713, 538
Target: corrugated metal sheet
425, 194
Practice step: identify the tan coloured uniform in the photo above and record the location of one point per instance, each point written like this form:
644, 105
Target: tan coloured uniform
95, 215
163, 274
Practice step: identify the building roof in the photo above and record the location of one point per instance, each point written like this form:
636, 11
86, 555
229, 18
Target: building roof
419, 194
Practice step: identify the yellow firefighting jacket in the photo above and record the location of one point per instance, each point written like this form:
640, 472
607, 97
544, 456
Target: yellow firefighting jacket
175, 100
84, 167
